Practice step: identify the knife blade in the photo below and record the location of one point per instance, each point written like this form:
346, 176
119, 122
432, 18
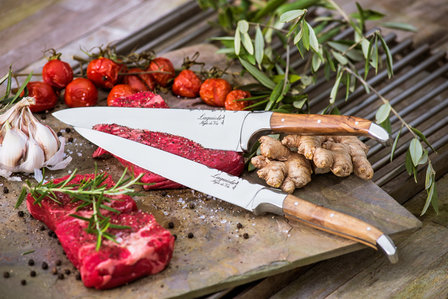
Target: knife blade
253, 197
221, 129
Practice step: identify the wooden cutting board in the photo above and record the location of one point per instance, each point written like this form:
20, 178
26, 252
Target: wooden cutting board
220, 254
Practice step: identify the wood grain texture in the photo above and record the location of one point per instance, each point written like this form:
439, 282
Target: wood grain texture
330, 221
316, 124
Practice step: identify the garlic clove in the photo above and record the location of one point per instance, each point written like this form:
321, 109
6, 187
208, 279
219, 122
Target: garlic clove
13, 148
34, 158
57, 161
47, 139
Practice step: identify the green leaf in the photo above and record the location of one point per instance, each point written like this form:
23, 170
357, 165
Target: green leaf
435, 199
22, 87
291, 15
21, 198
389, 59
299, 103
430, 173
305, 35
408, 163
347, 85
383, 113
257, 74
424, 158
243, 26
339, 57
298, 37
429, 198
237, 42
416, 151
423, 137
314, 43
399, 26
334, 90
386, 125
315, 62
275, 94
8, 86
259, 45
394, 146
247, 43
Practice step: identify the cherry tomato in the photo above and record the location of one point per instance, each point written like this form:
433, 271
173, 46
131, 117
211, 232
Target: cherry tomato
57, 73
187, 84
140, 82
232, 97
44, 94
164, 65
103, 72
214, 91
81, 92
119, 91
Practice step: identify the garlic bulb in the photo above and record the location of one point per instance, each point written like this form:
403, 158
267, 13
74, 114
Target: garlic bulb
26, 145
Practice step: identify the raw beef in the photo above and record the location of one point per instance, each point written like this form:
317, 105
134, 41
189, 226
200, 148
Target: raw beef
144, 99
227, 161
146, 248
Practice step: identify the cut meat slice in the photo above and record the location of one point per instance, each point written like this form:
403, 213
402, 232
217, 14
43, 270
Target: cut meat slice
227, 161
142, 249
144, 99
52, 213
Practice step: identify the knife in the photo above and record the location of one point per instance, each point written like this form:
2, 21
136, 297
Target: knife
221, 129
253, 197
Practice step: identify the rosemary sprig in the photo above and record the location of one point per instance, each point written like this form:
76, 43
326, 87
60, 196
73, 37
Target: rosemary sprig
90, 192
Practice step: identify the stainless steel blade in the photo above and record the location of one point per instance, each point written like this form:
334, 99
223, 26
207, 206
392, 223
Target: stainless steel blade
215, 129
188, 173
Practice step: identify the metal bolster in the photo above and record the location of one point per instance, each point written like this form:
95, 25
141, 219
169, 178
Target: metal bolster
389, 248
268, 200
379, 133
253, 124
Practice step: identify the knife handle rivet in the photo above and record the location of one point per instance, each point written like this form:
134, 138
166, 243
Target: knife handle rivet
282, 119
368, 228
331, 215
296, 203
319, 121
356, 122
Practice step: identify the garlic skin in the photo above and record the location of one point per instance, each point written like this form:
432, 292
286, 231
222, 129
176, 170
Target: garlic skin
26, 145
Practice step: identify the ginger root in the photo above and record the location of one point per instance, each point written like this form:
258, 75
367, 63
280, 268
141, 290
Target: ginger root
280, 167
286, 164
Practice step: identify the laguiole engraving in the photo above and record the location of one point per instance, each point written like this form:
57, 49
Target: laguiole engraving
227, 183
211, 120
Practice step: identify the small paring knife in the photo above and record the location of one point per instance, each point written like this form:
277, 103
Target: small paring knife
253, 197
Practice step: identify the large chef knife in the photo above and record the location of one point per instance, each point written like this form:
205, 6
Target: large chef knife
220, 129
253, 197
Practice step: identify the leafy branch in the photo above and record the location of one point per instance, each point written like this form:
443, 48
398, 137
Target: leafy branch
92, 193
281, 88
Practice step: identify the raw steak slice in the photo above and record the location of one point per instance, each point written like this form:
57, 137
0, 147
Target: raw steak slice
227, 161
144, 249
52, 213
144, 99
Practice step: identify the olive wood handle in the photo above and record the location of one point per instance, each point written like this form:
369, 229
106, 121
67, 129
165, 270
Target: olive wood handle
317, 124
331, 221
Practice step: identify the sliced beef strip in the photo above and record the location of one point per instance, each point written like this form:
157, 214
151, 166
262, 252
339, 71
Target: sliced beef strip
227, 161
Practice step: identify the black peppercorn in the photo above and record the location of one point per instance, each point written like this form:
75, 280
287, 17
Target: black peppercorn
170, 225
6, 274
31, 262
23, 282
68, 130
239, 225
246, 236
59, 134
61, 276
190, 235
44, 266
5, 190
175, 237
164, 193
42, 227
78, 276
70, 139
58, 262
33, 273
67, 271
20, 213
43, 116
191, 205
